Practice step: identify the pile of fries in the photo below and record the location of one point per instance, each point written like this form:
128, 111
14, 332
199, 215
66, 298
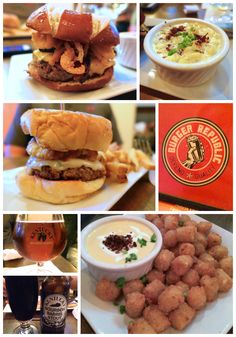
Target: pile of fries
120, 162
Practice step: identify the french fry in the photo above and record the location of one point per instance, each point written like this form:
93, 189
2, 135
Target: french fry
117, 171
144, 160
134, 159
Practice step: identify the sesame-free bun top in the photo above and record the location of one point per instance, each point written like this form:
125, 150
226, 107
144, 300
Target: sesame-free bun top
72, 25
62, 130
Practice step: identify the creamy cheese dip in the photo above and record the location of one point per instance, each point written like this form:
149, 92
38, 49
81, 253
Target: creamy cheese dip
138, 231
188, 42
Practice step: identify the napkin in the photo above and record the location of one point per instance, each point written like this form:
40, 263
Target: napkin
10, 254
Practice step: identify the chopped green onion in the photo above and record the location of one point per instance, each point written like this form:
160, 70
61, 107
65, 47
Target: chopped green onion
153, 238
172, 52
144, 279
122, 309
142, 242
181, 223
131, 257
120, 282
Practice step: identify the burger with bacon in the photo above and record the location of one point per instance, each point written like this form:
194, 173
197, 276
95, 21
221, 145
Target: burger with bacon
64, 164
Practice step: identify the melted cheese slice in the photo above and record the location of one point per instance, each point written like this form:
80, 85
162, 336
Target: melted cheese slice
61, 165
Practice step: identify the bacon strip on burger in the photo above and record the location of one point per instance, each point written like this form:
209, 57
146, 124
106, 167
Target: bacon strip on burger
64, 164
73, 51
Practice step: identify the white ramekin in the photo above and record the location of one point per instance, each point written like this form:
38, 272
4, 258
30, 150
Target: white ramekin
129, 271
126, 51
186, 75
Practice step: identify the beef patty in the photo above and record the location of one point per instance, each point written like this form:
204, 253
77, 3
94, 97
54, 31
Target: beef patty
82, 173
53, 73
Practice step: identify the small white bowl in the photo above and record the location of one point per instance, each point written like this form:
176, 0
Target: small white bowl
126, 51
185, 75
112, 272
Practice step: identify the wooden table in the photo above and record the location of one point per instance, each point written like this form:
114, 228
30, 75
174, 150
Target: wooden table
141, 197
10, 323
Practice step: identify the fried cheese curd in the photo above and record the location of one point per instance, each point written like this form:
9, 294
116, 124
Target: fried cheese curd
191, 270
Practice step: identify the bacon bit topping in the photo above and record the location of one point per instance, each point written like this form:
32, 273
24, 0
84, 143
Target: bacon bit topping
168, 48
118, 243
173, 32
201, 39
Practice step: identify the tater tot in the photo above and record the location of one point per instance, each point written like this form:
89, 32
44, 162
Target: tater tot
227, 265
151, 217
156, 318
170, 298
182, 316
196, 298
184, 218
208, 258
107, 290
199, 248
171, 221
224, 280
204, 227
183, 286
155, 275
211, 287
153, 290
186, 249
170, 238
171, 277
181, 264
140, 326
191, 278
218, 252
204, 268
163, 260
213, 239
186, 234
134, 304
155, 219
201, 238
133, 286
190, 223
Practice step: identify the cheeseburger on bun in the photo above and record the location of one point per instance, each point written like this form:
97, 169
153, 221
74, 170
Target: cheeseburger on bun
73, 51
64, 164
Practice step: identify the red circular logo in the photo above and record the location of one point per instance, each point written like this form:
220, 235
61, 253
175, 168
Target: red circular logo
195, 151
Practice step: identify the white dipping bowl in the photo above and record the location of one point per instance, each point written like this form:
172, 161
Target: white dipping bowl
126, 51
191, 74
112, 272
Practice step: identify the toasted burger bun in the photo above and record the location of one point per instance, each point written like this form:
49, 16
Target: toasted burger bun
73, 26
62, 130
72, 86
56, 192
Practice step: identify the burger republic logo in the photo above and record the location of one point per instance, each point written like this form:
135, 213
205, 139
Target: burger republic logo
195, 151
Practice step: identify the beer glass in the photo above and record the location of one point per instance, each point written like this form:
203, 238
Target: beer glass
23, 298
39, 237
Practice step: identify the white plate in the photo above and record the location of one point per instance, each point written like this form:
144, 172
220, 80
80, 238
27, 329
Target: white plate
102, 200
21, 87
104, 317
220, 87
